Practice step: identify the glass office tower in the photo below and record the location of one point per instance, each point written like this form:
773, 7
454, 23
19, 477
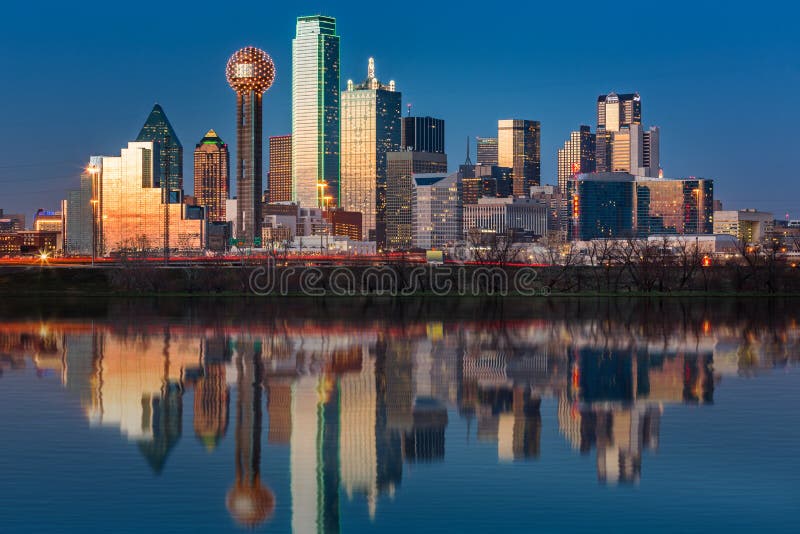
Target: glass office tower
158, 129
577, 156
315, 111
250, 73
370, 129
519, 147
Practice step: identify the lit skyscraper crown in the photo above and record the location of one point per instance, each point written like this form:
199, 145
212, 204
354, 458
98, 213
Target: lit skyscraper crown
250, 69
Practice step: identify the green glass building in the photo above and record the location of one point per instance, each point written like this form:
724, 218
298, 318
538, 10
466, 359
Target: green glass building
315, 111
158, 129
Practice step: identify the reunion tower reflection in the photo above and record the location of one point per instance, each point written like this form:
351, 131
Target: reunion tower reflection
248, 502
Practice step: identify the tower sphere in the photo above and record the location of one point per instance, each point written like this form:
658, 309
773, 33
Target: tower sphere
250, 69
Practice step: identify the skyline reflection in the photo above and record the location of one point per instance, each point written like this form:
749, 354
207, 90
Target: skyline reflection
358, 403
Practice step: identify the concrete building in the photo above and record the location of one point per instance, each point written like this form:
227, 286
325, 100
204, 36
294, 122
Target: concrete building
437, 210
78, 221
280, 168
748, 225
400, 168
487, 150
500, 215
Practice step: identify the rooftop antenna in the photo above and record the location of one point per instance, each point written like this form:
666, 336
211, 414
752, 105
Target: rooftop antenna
469, 160
409, 109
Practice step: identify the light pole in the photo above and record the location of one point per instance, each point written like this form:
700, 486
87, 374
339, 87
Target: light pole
93, 170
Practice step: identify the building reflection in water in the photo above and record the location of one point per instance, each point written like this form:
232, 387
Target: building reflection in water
355, 404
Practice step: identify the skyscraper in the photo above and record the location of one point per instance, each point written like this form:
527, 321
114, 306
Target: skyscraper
577, 156
250, 73
370, 129
315, 111
158, 129
400, 169
487, 150
519, 147
615, 113
280, 168
131, 213
77, 213
422, 134
212, 180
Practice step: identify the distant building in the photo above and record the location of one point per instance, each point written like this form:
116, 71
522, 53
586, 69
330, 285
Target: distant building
158, 129
479, 181
28, 243
131, 214
280, 168
622, 144
557, 206
500, 215
344, 223
749, 225
401, 166
370, 129
437, 210
607, 205
615, 111
78, 222
50, 221
11, 222
487, 150
315, 110
577, 156
212, 180
519, 147
422, 134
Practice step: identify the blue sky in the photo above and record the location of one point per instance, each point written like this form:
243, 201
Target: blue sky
722, 81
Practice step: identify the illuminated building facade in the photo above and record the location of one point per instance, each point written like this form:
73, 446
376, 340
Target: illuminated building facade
519, 147
481, 181
212, 176
370, 129
250, 73
577, 156
315, 111
158, 129
11, 222
422, 134
280, 168
665, 206
344, 223
130, 213
610, 205
437, 210
400, 168
499, 215
749, 225
487, 150
76, 210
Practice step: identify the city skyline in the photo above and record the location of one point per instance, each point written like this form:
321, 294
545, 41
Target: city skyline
684, 93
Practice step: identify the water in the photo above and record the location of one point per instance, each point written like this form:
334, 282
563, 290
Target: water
344, 416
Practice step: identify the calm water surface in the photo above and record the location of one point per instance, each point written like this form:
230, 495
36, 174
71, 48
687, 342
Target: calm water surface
559, 416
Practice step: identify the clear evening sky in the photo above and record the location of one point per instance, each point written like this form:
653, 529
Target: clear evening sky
721, 79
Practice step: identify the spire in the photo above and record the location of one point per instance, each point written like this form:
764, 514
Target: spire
469, 160
371, 69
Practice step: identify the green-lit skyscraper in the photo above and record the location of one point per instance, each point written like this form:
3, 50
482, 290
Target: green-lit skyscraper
170, 152
315, 111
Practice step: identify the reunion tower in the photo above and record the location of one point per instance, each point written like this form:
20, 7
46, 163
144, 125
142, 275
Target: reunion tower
250, 73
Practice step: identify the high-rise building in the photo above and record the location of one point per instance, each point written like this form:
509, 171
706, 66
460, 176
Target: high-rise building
131, 214
77, 212
479, 181
437, 210
577, 156
422, 134
370, 129
668, 206
519, 147
400, 168
158, 129
615, 111
280, 168
487, 150
315, 111
250, 73
212, 180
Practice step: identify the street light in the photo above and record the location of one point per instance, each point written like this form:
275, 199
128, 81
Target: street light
93, 170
